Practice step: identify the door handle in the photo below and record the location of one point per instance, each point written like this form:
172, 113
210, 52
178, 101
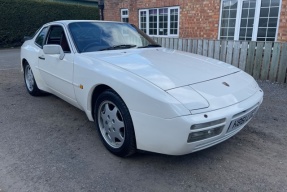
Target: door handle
42, 57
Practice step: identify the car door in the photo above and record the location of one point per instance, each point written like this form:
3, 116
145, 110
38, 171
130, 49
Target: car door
57, 73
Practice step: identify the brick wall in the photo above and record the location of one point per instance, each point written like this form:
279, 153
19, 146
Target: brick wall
282, 31
198, 19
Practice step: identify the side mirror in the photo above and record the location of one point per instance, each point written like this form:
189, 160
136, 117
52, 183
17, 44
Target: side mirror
54, 49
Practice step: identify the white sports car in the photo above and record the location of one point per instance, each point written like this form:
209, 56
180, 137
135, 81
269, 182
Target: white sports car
139, 94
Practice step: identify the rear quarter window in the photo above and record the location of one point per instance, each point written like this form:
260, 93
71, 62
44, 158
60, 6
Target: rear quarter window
40, 38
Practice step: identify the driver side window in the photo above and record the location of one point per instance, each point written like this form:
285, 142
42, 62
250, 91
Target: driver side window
57, 36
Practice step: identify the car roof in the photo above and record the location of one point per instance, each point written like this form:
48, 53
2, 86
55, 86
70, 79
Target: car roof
66, 22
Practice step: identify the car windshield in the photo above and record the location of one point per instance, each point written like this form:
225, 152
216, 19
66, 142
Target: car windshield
103, 36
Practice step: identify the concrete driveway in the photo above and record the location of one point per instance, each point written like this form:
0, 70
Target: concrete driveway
48, 145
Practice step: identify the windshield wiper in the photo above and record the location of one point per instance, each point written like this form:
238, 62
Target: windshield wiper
123, 46
150, 45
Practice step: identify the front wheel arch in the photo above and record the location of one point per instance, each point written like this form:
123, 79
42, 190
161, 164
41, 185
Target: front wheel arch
23, 64
29, 78
127, 145
97, 91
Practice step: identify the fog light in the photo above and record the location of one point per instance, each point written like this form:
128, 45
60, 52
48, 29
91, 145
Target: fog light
200, 135
208, 124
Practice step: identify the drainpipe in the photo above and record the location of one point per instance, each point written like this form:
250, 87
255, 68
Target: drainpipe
101, 5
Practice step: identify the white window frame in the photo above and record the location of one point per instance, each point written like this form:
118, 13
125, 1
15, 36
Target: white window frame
168, 21
124, 16
256, 20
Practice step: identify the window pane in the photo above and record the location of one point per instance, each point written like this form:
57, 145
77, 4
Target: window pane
251, 12
172, 25
172, 18
270, 39
153, 14
250, 22
274, 12
275, 3
223, 31
244, 13
272, 22
176, 17
163, 20
55, 32
264, 12
228, 20
245, 4
265, 3
173, 22
126, 20
233, 5
263, 22
232, 13
230, 4
143, 21
243, 22
232, 22
225, 14
224, 23
40, 39
252, 4
260, 39
249, 32
262, 32
268, 20
271, 32
231, 32
242, 32
247, 19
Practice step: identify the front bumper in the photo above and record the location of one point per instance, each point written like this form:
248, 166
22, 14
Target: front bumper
170, 136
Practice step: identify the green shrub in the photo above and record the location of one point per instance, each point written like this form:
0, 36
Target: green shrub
23, 17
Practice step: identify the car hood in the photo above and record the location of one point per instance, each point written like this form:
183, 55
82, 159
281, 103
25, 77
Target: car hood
166, 68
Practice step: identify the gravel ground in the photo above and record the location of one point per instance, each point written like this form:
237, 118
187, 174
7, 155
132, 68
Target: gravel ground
48, 145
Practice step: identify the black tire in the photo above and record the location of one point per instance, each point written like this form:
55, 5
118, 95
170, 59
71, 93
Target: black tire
110, 112
30, 82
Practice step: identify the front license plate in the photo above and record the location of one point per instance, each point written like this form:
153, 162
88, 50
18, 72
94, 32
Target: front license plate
240, 121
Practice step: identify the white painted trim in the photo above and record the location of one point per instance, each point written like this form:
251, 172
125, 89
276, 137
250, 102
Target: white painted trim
178, 21
124, 16
256, 19
278, 21
168, 22
157, 21
238, 20
220, 15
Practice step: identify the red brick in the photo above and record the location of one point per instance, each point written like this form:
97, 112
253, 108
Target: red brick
198, 18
